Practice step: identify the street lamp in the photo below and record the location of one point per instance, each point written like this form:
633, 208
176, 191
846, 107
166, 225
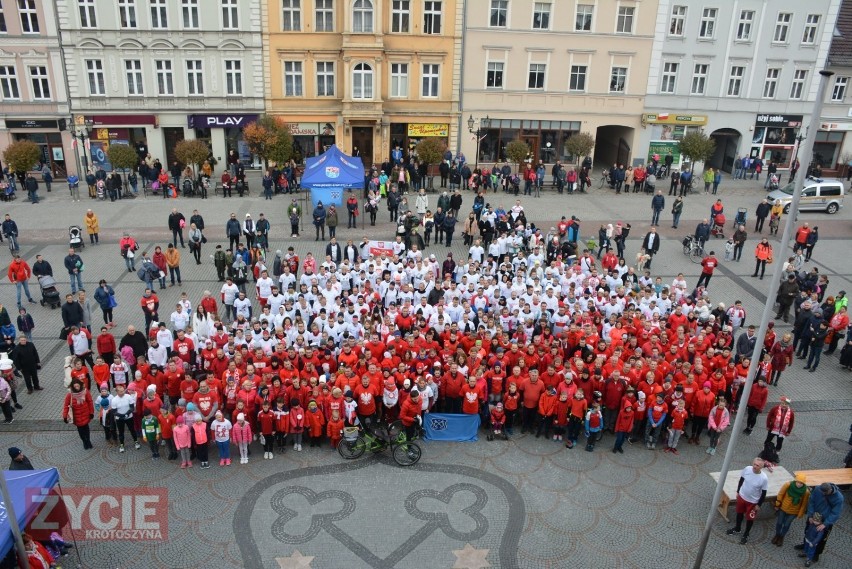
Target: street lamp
82, 134
484, 125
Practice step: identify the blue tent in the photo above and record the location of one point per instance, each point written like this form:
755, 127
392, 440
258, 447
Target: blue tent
330, 174
22, 483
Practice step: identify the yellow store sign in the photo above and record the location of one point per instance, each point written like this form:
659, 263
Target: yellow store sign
421, 130
671, 118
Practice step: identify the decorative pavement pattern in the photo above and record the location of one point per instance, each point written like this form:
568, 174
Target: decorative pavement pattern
525, 503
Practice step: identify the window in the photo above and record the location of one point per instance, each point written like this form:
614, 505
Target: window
771, 84
190, 14
165, 79
583, 20
624, 22
160, 13
40, 82
735, 80
233, 77
578, 78
362, 81
744, 25
617, 79
292, 78
839, 91
536, 76
291, 20
499, 8
194, 78
541, 16
29, 16
811, 25
494, 78
127, 14
708, 23
401, 16
133, 72
324, 16
95, 75
9, 82
677, 21
325, 79
431, 73
399, 80
669, 79
782, 27
88, 19
362, 16
230, 20
432, 17
699, 79
798, 86
2, 21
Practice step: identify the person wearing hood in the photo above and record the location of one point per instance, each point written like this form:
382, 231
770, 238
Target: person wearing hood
782, 356
319, 216
19, 460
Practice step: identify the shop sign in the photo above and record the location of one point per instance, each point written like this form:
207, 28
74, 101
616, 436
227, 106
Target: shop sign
110, 134
663, 147
421, 130
779, 120
303, 128
219, 121
32, 123
835, 126
111, 120
671, 118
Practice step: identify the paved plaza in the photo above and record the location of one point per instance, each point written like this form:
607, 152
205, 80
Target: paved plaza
526, 503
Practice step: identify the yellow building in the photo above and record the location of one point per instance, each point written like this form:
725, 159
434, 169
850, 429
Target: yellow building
363, 74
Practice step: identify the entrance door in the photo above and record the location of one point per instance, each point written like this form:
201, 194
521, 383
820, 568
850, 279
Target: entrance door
362, 140
532, 142
172, 136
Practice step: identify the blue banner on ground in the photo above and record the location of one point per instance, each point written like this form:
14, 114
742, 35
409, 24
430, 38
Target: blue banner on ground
450, 427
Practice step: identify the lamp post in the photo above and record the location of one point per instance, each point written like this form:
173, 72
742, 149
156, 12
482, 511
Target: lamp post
484, 125
82, 134
799, 139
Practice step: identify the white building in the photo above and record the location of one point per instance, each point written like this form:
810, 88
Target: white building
743, 70
151, 73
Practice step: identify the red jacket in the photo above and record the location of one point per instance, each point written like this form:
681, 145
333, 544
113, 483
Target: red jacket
758, 397
83, 410
703, 403
19, 271
409, 412
106, 344
624, 422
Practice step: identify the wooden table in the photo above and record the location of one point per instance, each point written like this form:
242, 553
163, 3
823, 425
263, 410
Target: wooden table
839, 476
777, 478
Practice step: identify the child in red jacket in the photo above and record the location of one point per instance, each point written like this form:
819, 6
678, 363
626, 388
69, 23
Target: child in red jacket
167, 423
334, 428
623, 426
576, 417
266, 426
510, 403
297, 422
498, 420
679, 416
315, 423
560, 419
282, 423
546, 411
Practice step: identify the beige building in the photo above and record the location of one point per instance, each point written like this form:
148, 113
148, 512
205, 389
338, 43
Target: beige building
542, 70
366, 75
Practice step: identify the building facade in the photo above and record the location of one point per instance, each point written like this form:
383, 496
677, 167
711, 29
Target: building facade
367, 75
542, 70
151, 73
33, 95
833, 145
745, 71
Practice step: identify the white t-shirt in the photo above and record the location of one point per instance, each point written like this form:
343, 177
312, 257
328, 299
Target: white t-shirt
221, 430
753, 485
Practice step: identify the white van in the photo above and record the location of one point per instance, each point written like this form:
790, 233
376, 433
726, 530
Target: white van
819, 194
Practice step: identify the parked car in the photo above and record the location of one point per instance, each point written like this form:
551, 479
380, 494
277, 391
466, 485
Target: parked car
819, 194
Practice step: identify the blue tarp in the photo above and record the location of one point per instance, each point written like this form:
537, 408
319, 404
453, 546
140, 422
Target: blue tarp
450, 427
19, 481
330, 174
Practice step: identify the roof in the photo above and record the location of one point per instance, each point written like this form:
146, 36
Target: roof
840, 53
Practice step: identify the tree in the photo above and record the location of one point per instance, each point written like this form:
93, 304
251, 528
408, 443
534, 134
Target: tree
430, 151
192, 152
697, 147
122, 157
269, 140
579, 145
22, 156
517, 151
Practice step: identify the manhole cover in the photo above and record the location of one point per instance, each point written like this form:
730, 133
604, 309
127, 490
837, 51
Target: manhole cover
838, 445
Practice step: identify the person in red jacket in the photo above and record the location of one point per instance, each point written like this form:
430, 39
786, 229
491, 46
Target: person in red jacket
678, 416
623, 426
498, 421
708, 265
334, 428
531, 391
19, 273
576, 417
297, 423
702, 404
779, 422
560, 418
756, 403
365, 395
266, 425
79, 409
547, 411
167, 423
470, 397
106, 345
511, 401
316, 423
451, 386
409, 414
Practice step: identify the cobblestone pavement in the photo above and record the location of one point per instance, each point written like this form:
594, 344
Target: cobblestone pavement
526, 503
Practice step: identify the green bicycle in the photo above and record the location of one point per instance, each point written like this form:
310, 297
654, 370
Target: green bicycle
378, 438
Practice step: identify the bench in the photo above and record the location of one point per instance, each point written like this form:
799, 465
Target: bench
839, 476
777, 478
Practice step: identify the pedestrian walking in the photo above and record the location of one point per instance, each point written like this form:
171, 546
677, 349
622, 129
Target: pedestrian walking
79, 409
19, 274
27, 362
658, 203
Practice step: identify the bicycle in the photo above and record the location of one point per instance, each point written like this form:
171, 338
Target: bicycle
693, 248
604, 179
356, 442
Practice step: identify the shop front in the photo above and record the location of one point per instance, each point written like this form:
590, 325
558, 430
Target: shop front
47, 134
133, 130
546, 139
311, 138
408, 135
666, 131
828, 147
224, 132
774, 139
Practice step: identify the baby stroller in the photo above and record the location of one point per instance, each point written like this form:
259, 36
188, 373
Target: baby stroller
718, 227
49, 294
773, 183
100, 187
742, 215
75, 237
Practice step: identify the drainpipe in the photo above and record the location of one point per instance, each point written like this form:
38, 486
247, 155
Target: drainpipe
461, 79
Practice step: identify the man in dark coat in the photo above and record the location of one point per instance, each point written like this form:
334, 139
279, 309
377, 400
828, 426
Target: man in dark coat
176, 224
19, 461
136, 340
27, 362
651, 244
762, 212
41, 267
787, 293
72, 313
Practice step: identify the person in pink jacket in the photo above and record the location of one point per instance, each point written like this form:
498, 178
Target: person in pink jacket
241, 435
717, 422
199, 430
183, 441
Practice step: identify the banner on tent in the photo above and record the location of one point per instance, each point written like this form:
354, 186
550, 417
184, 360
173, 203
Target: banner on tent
450, 427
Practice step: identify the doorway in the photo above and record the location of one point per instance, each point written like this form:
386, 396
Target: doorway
613, 145
532, 142
727, 144
172, 135
362, 143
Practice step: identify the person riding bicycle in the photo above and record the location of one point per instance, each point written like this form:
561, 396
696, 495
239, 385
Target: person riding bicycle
409, 414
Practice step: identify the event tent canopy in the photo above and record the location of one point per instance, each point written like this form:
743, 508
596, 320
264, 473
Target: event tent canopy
22, 484
330, 173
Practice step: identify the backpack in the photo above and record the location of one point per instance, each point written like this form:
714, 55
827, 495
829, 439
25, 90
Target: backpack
142, 272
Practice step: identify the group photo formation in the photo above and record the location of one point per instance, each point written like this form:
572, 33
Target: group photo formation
457, 284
